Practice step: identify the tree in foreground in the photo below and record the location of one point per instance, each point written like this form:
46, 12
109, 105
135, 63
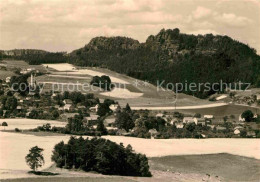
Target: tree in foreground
4, 124
35, 158
248, 115
100, 155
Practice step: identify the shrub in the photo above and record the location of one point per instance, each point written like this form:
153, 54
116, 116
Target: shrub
17, 130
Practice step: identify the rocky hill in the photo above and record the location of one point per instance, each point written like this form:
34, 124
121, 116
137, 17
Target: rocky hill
169, 56
173, 57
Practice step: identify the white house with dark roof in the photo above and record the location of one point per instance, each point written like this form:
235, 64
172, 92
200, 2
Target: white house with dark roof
113, 107
187, 120
208, 116
179, 125
67, 101
94, 109
68, 107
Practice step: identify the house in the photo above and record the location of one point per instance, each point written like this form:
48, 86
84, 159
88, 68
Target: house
56, 106
154, 133
91, 119
208, 116
65, 117
241, 119
160, 115
19, 108
122, 132
203, 135
67, 101
108, 122
251, 134
67, 107
174, 120
31, 93
94, 109
30, 109
189, 120
8, 79
236, 131
200, 121
211, 126
238, 128
53, 95
179, 125
28, 114
60, 108
17, 95
114, 107
81, 107
257, 96
28, 98
217, 121
220, 128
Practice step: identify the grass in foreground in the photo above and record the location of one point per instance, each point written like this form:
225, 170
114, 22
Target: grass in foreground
41, 173
230, 167
71, 179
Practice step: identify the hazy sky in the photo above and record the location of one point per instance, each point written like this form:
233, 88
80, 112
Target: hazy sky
65, 25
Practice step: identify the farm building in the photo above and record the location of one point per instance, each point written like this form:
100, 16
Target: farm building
114, 107
236, 132
189, 120
208, 116
179, 125
68, 107
94, 109
67, 101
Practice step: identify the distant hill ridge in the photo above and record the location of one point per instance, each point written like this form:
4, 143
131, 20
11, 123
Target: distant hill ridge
170, 55
20, 52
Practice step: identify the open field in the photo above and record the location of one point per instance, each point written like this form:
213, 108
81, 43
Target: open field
186, 168
136, 93
69, 67
221, 111
227, 167
14, 146
25, 124
122, 93
22, 65
165, 147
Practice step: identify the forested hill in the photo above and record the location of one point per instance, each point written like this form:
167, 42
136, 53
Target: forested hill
174, 57
170, 55
34, 56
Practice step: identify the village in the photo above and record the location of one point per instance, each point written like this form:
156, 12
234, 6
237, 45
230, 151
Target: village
166, 124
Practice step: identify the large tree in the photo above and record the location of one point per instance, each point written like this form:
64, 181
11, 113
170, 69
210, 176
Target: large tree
35, 158
124, 121
248, 115
101, 127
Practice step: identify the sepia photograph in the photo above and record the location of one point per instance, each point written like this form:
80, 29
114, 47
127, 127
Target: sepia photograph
129, 90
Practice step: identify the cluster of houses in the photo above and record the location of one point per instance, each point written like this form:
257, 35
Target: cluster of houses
206, 120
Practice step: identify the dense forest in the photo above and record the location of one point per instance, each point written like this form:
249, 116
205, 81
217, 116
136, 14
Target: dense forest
100, 155
175, 58
169, 56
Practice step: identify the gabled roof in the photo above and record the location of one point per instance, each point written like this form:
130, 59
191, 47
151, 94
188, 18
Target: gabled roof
67, 101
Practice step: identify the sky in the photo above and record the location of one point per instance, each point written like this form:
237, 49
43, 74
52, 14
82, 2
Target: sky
65, 25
